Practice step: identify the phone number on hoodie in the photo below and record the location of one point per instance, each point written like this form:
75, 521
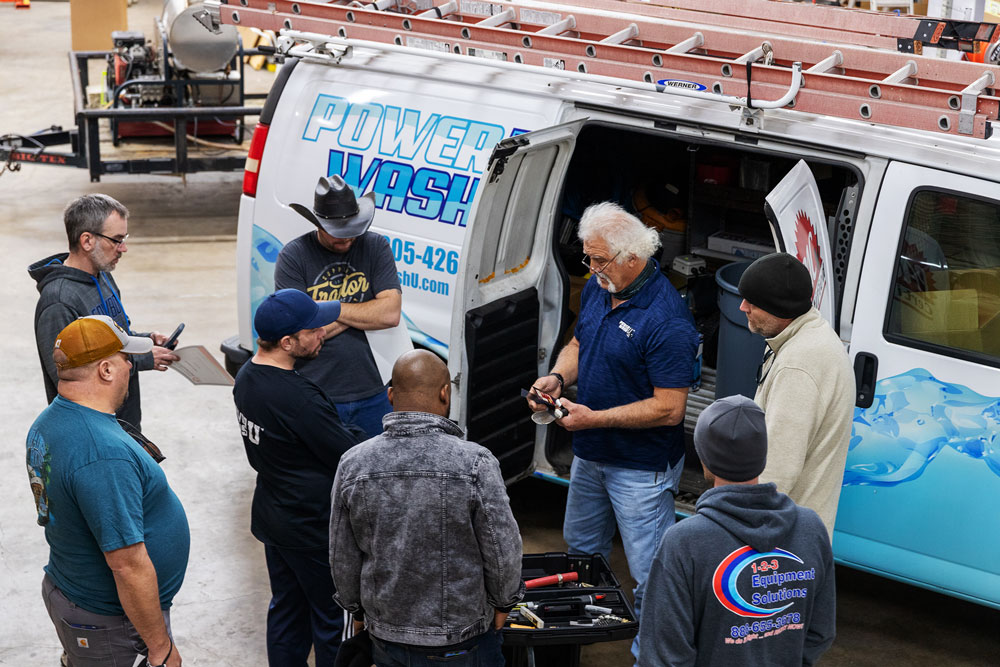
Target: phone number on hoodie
764, 625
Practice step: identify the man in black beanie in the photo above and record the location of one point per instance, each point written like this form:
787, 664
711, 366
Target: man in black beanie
747, 580
805, 384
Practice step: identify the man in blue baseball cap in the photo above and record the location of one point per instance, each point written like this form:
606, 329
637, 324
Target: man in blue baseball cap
293, 439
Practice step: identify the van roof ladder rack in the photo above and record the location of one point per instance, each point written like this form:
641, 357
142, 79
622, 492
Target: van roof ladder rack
645, 43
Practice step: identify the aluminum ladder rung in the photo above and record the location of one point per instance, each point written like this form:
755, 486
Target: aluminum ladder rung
853, 82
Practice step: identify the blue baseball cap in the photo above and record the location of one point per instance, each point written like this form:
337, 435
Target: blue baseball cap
289, 311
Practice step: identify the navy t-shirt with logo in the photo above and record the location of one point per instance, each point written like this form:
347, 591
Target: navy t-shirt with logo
648, 341
345, 367
294, 439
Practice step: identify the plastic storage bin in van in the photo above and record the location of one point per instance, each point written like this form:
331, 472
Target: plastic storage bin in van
558, 643
740, 351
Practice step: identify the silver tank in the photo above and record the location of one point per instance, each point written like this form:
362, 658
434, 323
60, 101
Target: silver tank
194, 47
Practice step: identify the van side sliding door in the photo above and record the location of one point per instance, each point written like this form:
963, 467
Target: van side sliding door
919, 501
509, 301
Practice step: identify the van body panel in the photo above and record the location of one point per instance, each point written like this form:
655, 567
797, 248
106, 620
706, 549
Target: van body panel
420, 145
923, 470
481, 273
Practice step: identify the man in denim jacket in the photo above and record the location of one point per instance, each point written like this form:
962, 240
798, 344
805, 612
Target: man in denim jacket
423, 546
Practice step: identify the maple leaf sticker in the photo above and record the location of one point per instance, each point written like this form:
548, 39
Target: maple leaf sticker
807, 252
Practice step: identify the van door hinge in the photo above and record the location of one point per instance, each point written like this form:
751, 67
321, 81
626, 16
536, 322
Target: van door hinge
542, 353
502, 152
457, 381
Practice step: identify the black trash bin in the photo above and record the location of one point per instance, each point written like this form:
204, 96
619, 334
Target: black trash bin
740, 351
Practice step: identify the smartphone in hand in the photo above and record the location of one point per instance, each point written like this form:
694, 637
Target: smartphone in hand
171, 342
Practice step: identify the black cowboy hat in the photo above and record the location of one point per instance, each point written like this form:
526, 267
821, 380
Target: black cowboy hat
337, 211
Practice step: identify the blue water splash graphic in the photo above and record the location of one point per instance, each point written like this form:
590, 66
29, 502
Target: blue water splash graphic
264, 249
914, 416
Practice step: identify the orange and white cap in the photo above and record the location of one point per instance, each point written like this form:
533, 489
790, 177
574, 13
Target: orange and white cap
95, 337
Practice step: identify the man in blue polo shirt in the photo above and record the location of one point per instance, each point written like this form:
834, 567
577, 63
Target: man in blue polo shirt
632, 357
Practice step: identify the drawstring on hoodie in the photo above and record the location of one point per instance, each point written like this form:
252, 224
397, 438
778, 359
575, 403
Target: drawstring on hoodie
104, 303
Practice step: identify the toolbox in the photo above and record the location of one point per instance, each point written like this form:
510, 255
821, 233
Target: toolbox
555, 619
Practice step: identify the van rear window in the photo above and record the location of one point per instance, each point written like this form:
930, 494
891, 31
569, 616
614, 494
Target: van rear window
947, 283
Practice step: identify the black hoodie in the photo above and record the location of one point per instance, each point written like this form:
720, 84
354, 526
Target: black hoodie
747, 580
66, 294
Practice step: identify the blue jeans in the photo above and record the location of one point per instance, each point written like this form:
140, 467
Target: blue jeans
302, 614
481, 651
366, 413
639, 502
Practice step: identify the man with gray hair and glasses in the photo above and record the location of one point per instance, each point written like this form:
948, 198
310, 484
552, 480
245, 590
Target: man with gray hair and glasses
632, 358
78, 283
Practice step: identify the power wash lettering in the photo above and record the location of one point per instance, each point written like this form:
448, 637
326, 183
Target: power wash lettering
402, 136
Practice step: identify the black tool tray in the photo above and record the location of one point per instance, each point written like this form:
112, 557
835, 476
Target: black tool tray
597, 579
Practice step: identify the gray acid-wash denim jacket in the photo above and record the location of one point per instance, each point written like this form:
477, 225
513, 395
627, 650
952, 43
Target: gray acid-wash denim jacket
422, 539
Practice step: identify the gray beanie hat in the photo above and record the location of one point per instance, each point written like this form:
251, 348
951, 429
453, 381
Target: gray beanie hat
779, 284
731, 438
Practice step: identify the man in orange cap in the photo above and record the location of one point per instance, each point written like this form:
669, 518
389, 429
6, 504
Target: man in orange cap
118, 535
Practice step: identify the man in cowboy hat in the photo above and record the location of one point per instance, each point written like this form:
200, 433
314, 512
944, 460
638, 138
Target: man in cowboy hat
343, 261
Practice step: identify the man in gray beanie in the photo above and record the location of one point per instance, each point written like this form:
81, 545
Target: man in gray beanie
747, 580
805, 384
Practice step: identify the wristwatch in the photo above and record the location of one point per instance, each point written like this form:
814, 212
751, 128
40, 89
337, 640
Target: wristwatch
558, 376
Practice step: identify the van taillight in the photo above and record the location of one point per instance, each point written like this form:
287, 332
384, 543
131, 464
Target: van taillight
252, 169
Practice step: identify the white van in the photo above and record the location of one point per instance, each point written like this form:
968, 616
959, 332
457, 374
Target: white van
481, 171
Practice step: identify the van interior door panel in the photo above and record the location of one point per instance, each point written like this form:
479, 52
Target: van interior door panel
501, 341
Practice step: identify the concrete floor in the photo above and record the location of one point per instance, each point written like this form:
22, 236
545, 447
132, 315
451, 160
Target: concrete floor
181, 267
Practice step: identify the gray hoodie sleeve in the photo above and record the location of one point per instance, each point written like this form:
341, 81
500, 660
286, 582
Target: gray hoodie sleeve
48, 324
667, 632
345, 555
143, 362
498, 535
822, 628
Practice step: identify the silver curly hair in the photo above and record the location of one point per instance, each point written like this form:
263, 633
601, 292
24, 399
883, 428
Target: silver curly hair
623, 232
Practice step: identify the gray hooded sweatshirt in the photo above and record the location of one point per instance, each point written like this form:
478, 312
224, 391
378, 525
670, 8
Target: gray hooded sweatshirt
66, 294
747, 580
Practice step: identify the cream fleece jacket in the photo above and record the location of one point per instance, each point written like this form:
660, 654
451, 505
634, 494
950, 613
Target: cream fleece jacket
808, 400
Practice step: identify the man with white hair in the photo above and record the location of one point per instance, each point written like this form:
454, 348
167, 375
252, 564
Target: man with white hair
632, 358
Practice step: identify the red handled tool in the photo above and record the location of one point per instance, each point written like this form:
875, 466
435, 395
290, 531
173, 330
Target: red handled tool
552, 579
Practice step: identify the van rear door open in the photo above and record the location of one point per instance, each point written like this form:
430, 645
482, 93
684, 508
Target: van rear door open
510, 297
795, 211
923, 471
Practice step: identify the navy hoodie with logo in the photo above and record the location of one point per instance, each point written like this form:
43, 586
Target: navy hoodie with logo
65, 294
747, 580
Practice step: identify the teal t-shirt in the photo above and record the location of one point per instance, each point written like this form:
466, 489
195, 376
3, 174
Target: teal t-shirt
96, 490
